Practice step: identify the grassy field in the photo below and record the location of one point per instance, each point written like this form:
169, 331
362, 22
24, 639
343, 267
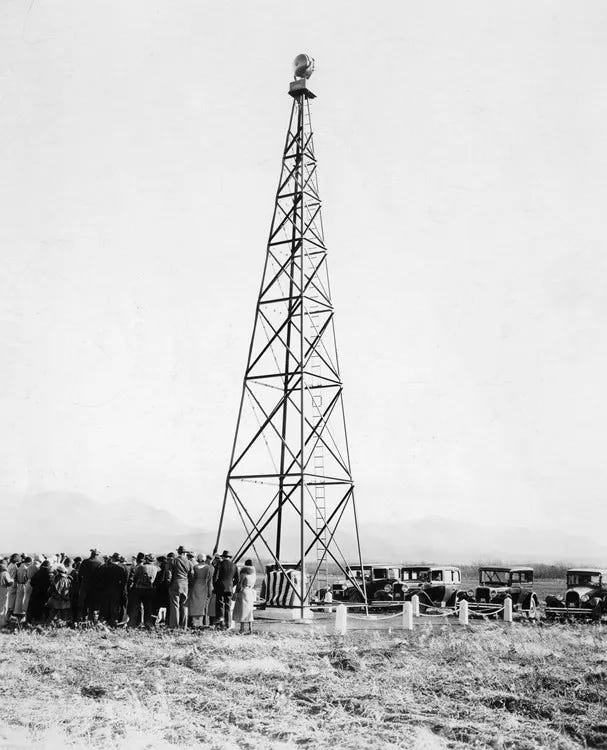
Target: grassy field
440, 686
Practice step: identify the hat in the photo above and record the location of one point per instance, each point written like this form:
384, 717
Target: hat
115, 557
180, 549
94, 551
225, 553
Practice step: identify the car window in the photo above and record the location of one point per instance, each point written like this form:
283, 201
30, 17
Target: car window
414, 575
583, 579
437, 575
493, 577
521, 576
358, 574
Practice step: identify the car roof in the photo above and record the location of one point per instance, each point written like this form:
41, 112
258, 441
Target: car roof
602, 571
507, 568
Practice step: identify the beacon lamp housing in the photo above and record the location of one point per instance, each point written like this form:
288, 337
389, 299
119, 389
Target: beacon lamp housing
303, 67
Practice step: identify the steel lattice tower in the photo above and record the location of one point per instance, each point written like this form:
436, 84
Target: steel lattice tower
289, 477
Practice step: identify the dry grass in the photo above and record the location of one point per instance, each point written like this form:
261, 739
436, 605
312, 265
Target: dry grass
437, 687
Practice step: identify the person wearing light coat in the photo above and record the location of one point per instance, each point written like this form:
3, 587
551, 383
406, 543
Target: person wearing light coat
6, 584
13, 565
245, 596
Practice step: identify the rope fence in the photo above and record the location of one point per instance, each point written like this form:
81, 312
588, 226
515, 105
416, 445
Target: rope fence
375, 617
410, 611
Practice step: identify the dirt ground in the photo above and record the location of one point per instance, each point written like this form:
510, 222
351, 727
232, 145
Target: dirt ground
439, 686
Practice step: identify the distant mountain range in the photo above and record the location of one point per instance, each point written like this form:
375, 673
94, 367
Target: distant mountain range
71, 522
442, 540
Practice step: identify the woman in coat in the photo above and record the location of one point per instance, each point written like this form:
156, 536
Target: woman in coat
6, 584
13, 566
19, 587
200, 592
245, 596
59, 594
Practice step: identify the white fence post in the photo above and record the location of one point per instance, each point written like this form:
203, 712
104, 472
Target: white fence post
463, 612
341, 619
507, 609
415, 603
407, 616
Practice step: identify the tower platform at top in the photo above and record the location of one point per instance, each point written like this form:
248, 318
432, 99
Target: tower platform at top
299, 87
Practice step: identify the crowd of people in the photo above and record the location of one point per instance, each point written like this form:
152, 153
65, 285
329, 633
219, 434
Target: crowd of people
178, 590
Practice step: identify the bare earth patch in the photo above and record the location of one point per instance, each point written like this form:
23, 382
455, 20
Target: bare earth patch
437, 687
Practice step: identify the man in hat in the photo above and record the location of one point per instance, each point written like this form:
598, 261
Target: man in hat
182, 571
88, 602
225, 579
142, 593
113, 594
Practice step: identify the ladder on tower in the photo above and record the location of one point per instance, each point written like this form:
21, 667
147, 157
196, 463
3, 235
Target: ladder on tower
318, 453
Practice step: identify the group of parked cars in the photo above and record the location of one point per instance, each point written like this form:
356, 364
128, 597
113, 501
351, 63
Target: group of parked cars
441, 586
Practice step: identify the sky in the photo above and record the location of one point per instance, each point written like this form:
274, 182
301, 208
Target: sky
463, 171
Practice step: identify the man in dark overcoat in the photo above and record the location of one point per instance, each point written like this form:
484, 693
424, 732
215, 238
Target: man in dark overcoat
113, 579
88, 599
225, 579
182, 570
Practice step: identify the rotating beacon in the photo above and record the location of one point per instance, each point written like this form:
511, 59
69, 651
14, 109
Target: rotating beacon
289, 480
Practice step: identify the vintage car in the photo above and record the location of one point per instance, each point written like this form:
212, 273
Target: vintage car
496, 583
377, 580
586, 595
435, 585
